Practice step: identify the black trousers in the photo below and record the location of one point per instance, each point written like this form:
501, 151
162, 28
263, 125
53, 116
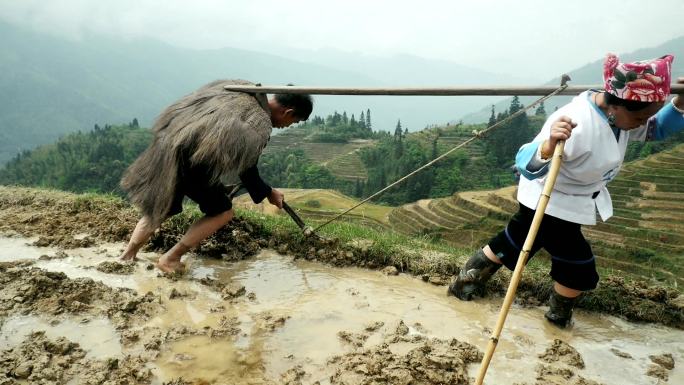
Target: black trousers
572, 262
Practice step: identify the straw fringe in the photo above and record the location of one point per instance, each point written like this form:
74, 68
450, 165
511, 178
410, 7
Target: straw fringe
222, 130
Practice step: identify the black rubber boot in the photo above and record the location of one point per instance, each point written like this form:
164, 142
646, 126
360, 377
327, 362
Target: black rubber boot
473, 276
560, 309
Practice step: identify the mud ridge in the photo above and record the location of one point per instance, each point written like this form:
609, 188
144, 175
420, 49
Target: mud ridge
35, 212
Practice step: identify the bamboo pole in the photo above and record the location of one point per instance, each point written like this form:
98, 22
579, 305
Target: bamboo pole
425, 91
524, 253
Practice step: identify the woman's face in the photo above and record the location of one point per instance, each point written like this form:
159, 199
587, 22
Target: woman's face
629, 120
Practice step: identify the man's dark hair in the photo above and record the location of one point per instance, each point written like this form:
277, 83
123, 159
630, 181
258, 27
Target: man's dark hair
302, 104
630, 105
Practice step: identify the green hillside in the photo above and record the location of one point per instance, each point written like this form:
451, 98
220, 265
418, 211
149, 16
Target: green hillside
645, 236
53, 86
80, 162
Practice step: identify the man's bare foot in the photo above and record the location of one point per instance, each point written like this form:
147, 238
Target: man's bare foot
128, 257
170, 267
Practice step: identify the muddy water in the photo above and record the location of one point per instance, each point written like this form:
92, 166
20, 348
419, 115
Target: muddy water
16, 248
298, 313
97, 337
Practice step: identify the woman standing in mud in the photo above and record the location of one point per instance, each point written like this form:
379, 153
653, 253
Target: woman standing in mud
596, 126
198, 141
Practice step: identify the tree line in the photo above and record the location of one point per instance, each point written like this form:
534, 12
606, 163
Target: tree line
339, 128
94, 161
80, 162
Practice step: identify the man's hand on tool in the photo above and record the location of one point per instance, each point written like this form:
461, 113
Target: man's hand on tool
276, 198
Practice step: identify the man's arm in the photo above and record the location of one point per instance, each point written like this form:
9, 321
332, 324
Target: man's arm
256, 187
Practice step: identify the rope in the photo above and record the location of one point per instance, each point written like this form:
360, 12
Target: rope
476, 135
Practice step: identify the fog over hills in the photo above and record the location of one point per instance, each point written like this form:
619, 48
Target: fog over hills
592, 73
53, 86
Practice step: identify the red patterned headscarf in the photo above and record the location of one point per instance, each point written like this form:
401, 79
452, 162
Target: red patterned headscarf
645, 81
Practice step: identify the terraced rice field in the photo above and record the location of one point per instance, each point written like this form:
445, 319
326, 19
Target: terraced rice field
342, 159
465, 219
317, 205
348, 166
645, 235
450, 137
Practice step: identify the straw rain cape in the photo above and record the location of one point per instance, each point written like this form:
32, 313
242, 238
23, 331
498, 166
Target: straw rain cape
223, 131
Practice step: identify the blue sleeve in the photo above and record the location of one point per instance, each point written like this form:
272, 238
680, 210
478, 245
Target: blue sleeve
666, 122
526, 163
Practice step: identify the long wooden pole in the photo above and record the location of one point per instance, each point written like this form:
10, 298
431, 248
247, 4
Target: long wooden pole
422, 91
524, 253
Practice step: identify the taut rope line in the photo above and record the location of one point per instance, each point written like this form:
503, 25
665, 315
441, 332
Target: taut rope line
564, 79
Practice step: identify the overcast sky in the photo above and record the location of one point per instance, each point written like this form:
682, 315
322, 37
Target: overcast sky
525, 37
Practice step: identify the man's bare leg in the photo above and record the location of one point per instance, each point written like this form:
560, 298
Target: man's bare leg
142, 233
171, 260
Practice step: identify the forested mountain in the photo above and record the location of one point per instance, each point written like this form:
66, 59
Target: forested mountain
95, 160
52, 86
80, 162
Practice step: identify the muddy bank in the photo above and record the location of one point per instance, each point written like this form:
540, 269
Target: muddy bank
40, 360
29, 290
426, 361
273, 319
67, 217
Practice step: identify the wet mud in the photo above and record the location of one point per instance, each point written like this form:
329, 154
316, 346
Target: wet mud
68, 221
246, 327
30, 290
427, 361
147, 337
41, 360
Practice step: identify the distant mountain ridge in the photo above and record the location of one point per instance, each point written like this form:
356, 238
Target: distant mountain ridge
52, 86
592, 73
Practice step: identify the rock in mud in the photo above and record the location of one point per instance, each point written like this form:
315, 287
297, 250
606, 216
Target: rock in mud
664, 360
64, 241
179, 294
269, 321
232, 290
439, 280
353, 339
433, 362
58, 255
111, 267
561, 352
227, 326
372, 327
293, 376
561, 364
390, 270
402, 329
657, 371
621, 354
